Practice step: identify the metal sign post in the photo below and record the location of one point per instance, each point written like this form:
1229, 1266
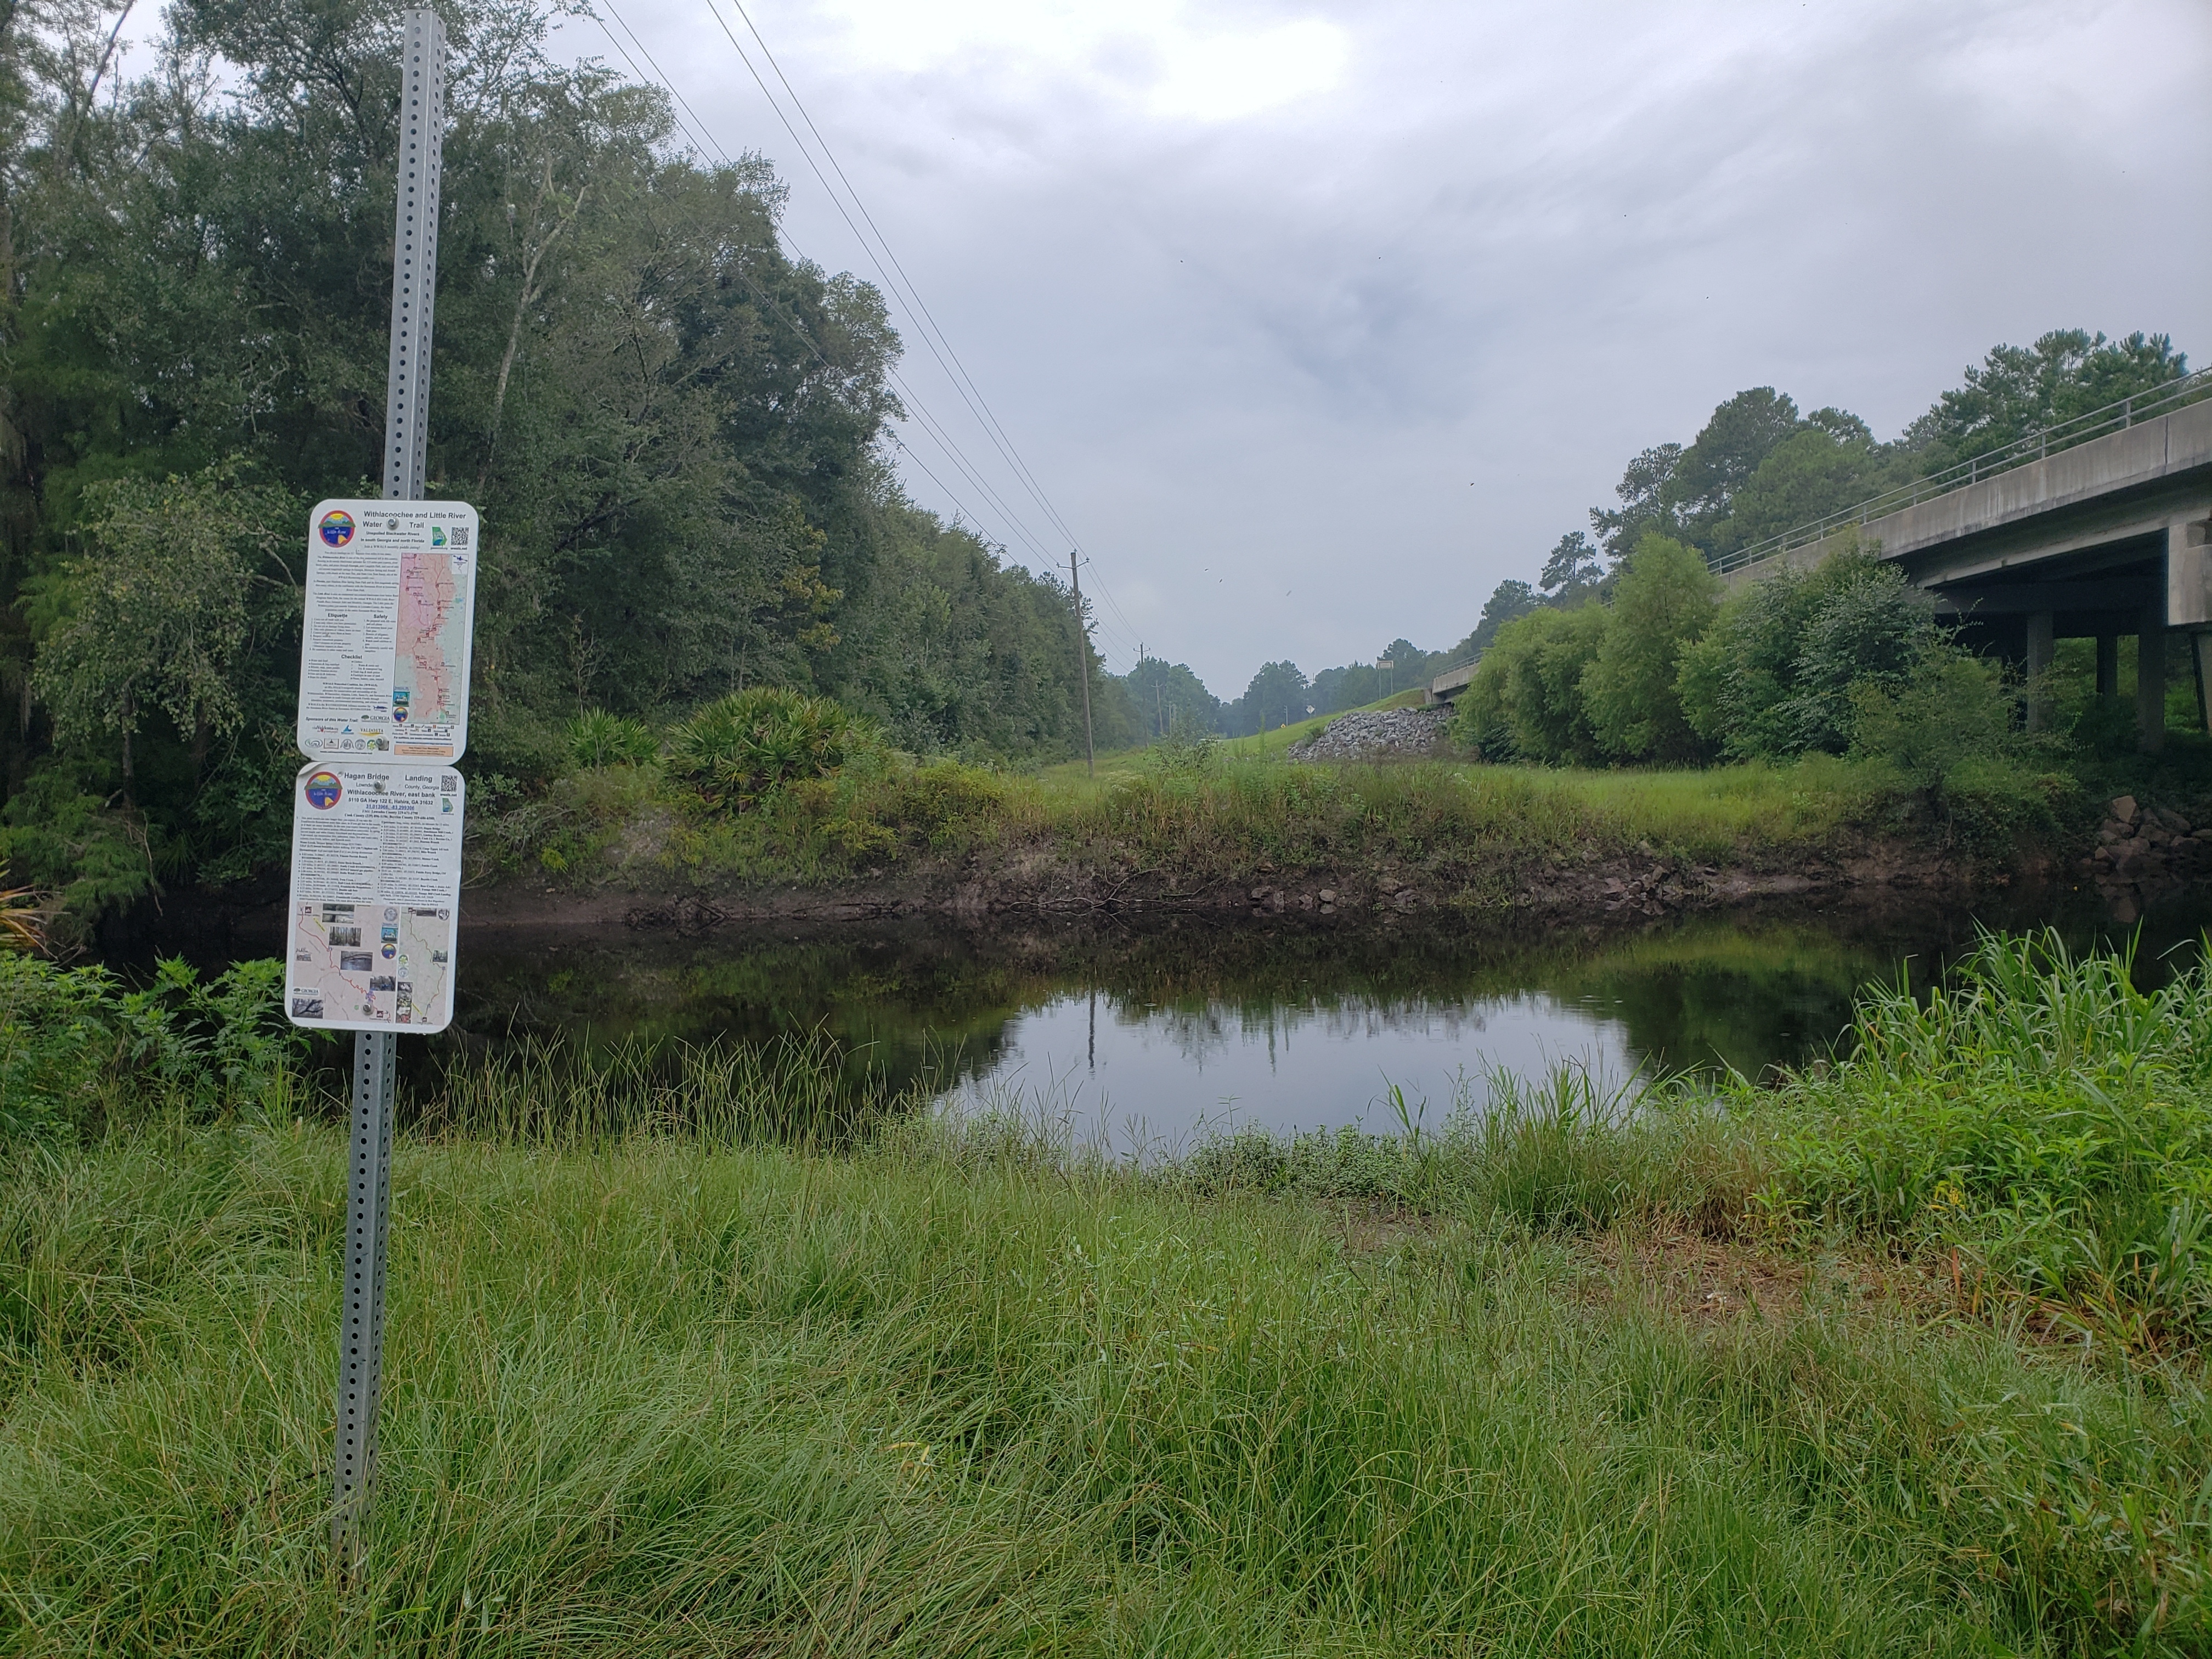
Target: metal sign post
406, 404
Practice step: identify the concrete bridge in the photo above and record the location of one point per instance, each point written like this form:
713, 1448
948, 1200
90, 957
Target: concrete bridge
2095, 529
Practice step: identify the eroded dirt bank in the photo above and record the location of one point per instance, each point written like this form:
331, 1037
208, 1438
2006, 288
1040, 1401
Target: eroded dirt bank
1003, 887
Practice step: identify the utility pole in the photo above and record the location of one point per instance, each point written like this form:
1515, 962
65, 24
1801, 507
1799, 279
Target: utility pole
1083, 664
406, 404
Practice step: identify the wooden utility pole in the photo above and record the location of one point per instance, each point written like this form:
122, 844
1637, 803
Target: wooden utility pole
1083, 664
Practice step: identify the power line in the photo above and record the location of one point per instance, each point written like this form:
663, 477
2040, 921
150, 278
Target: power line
699, 135
903, 286
702, 140
913, 294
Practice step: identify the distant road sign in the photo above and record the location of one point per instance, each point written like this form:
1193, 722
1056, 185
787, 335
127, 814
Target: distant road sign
375, 898
390, 614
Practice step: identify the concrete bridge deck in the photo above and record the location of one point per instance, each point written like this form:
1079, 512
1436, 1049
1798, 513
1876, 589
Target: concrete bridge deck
2107, 538
2103, 540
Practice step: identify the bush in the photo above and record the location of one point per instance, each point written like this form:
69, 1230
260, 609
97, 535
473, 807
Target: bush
1951, 733
1527, 694
2041, 1115
747, 745
1776, 674
597, 739
1665, 599
69, 1037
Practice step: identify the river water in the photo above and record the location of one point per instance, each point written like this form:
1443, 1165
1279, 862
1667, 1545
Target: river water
1145, 1035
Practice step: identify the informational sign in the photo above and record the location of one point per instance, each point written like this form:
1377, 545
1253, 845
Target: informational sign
376, 897
391, 610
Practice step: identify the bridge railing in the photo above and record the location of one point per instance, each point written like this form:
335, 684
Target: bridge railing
2022, 452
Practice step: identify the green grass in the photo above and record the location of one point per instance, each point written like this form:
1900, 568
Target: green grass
1470, 827
653, 1398
1474, 831
657, 1385
1075, 777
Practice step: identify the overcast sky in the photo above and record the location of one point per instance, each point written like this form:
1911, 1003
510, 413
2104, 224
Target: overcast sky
1316, 320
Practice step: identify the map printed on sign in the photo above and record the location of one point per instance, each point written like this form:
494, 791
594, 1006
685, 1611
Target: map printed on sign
383, 656
376, 897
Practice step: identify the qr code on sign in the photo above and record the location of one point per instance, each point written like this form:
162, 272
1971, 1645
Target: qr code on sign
460, 535
449, 786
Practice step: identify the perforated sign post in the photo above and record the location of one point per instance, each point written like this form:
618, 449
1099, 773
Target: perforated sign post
374, 909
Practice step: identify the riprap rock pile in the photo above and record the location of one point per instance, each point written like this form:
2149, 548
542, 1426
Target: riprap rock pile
1376, 735
2139, 844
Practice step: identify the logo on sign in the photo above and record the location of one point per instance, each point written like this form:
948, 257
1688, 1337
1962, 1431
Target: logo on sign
323, 790
437, 535
337, 527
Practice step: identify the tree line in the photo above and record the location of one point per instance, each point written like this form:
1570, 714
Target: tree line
1757, 467
672, 427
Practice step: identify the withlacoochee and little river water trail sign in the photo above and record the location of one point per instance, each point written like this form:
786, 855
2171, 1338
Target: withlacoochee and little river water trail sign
374, 914
391, 613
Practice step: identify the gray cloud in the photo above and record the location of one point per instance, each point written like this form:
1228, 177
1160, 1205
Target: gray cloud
1318, 320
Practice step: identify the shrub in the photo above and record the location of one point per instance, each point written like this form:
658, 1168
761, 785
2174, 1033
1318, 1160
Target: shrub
1528, 688
69, 1036
929, 803
750, 743
1951, 733
1776, 674
597, 739
2041, 1114
1665, 599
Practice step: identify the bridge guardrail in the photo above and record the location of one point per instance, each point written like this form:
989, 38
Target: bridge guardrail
2022, 452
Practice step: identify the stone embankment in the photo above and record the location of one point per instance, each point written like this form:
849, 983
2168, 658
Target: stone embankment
1384, 734
2138, 845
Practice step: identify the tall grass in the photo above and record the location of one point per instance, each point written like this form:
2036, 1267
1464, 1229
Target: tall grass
654, 1398
798, 1090
1467, 824
2039, 1114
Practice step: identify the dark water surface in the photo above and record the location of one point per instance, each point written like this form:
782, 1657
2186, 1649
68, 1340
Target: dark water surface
1146, 1033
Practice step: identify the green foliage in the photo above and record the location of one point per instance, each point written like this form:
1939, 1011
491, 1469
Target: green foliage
1168, 698
2017, 389
2038, 1111
1571, 569
1508, 602
1951, 731
1528, 691
156, 617
1664, 600
1830, 463
1184, 753
669, 424
747, 745
1776, 674
597, 738
76, 1044
1730, 450
1568, 686
1277, 696
92, 856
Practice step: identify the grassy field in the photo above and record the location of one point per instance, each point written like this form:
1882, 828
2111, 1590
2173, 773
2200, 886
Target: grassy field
1467, 824
1904, 1357
1221, 812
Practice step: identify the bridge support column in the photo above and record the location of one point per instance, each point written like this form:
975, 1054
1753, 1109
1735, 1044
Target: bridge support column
2040, 650
2150, 679
2108, 666
2200, 653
